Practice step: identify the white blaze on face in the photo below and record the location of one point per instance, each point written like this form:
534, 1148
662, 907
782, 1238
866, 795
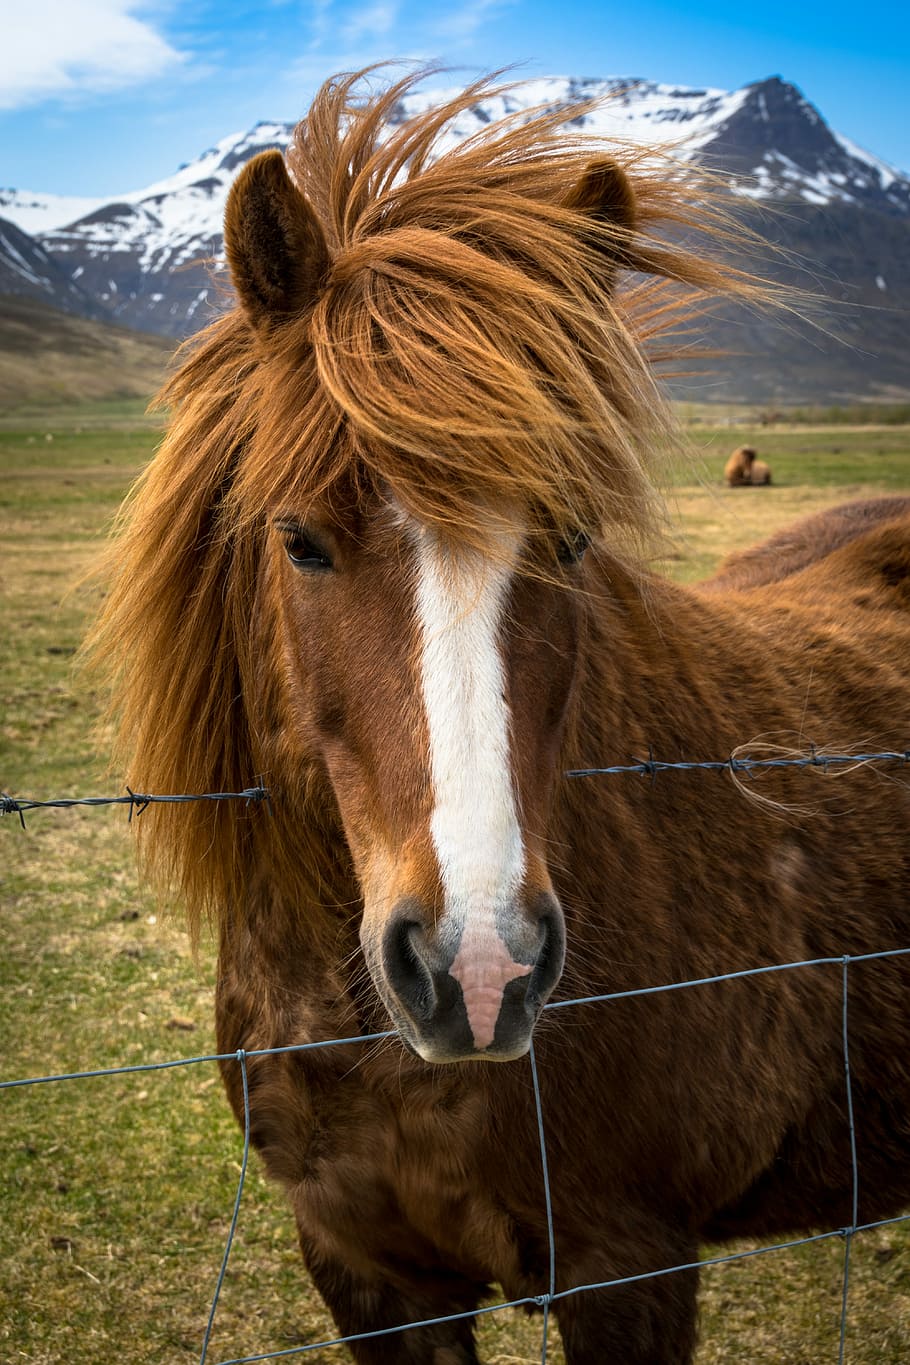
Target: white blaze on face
461, 598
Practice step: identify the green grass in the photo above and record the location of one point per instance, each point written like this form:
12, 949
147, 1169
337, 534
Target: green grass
116, 1192
824, 457
811, 469
772, 419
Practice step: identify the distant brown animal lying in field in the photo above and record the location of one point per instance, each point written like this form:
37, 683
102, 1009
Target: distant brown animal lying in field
744, 470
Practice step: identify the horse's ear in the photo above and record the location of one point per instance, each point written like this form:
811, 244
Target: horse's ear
275, 246
605, 195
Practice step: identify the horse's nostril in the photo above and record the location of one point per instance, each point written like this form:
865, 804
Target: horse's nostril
406, 969
483, 1001
550, 959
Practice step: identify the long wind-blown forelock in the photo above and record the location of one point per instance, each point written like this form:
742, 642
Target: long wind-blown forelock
469, 332
474, 348
473, 338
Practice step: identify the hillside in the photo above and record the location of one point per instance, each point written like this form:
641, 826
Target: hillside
49, 356
848, 337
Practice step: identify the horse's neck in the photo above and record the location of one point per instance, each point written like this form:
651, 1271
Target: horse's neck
659, 671
658, 679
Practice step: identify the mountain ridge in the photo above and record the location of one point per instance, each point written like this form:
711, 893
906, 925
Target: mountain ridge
149, 259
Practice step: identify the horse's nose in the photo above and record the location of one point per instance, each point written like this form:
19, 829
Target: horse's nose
483, 998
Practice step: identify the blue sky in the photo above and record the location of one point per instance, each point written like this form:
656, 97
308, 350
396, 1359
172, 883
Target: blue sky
101, 96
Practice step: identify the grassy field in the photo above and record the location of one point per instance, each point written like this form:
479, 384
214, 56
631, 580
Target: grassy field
116, 1192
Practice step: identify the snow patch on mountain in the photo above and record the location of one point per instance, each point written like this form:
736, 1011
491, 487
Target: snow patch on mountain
623, 109
35, 212
168, 222
886, 175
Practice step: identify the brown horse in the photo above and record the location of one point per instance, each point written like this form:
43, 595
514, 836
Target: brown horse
389, 556
744, 470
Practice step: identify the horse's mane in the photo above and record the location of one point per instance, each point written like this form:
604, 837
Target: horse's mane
479, 344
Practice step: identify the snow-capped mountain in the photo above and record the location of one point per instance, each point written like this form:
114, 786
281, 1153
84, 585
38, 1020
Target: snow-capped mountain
150, 258
148, 255
770, 140
28, 270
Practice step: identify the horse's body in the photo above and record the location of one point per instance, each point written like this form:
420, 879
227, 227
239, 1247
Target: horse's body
412, 662
801, 545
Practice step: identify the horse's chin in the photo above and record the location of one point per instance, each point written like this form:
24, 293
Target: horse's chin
440, 1055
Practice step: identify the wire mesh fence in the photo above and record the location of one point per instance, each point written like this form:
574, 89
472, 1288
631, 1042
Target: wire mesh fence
549, 1295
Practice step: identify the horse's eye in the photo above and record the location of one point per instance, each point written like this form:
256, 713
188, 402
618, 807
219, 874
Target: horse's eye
303, 551
571, 548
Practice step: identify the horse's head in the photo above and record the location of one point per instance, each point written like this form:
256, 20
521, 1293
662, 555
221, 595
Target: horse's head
429, 659
393, 449
431, 679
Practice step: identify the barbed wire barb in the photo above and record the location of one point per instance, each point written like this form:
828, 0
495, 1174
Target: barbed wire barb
10, 806
138, 804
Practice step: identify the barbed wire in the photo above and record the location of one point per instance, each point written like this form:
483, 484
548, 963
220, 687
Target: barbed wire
137, 802
650, 767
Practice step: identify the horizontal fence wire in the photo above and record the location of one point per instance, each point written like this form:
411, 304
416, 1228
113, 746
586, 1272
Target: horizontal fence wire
651, 767
137, 802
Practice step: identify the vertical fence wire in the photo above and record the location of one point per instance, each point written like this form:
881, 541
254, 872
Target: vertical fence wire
544, 1300
241, 1058
854, 1166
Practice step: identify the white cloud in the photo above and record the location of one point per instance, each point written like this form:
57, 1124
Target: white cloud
370, 21
54, 48
463, 22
